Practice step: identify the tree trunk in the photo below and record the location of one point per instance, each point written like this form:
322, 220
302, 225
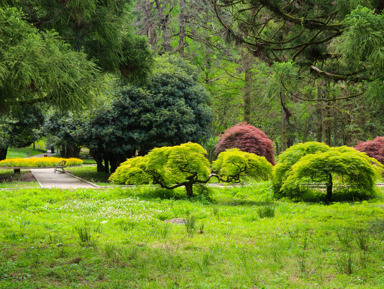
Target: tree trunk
285, 114
106, 162
182, 24
247, 68
335, 134
327, 120
71, 151
189, 188
247, 96
98, 157
3, 153
329, 188
319, 128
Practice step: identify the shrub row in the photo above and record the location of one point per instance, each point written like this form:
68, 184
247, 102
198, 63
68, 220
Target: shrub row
39, 162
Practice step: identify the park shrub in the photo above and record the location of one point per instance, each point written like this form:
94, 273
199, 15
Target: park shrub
290, 157
373, 148
186, 165
232, 164
39, 162
341, 169
247, 138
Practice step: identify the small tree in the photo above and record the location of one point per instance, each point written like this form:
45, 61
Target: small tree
247, 138
186, 165
232, 164
373, 148
350, 168
290, 157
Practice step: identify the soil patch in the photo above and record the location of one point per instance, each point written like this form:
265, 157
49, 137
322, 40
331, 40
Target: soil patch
12, 177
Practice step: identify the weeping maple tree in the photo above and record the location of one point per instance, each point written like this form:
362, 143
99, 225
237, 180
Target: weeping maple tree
247, 138
186, 165
373, 148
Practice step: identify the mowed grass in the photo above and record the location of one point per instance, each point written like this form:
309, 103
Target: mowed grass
26, 152
89, 173
226, 238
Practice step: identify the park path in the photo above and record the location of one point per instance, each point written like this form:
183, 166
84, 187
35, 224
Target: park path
47, 178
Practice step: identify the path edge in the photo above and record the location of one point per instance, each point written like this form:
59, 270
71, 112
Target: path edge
85, 181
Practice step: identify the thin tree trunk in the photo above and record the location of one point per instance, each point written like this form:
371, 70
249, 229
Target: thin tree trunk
285, 114
329, 188
247, 96
335, 134
319, 128
327, 126
189, 188
246, 62
182, 24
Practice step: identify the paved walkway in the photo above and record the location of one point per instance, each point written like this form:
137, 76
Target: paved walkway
48, 179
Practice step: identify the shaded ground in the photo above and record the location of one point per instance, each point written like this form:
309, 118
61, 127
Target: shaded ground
10, 177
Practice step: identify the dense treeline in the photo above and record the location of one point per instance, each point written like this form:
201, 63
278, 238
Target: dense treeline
297, 70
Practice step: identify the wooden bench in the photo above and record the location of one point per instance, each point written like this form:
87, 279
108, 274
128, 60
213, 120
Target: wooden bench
59, 168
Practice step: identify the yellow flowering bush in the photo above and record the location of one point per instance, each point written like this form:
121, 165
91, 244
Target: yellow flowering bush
45, 162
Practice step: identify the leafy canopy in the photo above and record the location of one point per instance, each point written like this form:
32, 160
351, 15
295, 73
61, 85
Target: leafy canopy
37, 66
247, 138
346, 166
290, 157
232, 164
373, 148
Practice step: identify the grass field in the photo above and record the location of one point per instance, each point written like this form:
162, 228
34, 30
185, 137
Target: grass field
226, 238
27, 152
89, 173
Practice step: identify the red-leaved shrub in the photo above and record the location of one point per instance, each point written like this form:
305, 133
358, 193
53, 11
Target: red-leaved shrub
248, 139
373, 148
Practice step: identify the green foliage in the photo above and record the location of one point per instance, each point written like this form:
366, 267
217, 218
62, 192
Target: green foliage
345, 167
165, 166
38, 66
290, 157
170, 109
178, 164
233, 164
132, 171
362, 42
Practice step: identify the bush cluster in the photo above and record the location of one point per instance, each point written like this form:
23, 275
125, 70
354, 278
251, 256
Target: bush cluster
373, 148
303, 167
186, 165
247, 138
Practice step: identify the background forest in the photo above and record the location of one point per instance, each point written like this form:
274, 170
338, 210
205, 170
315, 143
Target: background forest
121, 77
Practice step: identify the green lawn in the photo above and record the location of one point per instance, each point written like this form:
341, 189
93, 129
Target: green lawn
120, 238
89, 173
27, 152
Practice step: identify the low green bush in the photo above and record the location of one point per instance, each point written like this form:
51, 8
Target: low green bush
338, 169
186, 165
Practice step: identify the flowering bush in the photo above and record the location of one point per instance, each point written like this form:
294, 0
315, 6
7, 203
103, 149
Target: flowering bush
45, 162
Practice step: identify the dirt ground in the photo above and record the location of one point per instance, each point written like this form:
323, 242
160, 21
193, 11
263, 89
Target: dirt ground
25, 176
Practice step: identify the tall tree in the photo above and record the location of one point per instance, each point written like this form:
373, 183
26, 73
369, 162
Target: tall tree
52, 50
